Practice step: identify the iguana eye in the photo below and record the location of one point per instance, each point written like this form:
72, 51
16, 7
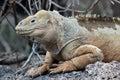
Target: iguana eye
33, 20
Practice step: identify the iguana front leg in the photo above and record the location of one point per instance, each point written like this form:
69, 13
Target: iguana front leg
46, 65
83, 56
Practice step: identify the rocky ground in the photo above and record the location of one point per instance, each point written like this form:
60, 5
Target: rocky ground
96, 71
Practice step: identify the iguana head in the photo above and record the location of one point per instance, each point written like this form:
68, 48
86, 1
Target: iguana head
39, 24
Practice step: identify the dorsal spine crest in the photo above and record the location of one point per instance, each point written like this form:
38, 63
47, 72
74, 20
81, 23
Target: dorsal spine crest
95, 17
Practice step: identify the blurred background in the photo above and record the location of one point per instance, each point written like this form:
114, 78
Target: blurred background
12, 11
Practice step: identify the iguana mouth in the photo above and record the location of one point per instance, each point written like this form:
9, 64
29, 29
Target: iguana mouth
24, 32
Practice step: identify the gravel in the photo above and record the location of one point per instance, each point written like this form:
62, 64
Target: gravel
96, 71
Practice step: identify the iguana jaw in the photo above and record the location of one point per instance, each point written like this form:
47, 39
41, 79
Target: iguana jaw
27, 31
24, 32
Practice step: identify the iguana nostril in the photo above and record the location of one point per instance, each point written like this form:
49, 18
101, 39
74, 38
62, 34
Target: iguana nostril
20, 23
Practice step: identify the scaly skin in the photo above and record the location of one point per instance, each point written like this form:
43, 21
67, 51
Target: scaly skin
76, 42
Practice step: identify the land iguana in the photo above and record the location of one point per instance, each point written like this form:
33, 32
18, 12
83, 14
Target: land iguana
76, 42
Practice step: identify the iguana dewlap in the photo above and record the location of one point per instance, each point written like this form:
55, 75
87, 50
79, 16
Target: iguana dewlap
76, 41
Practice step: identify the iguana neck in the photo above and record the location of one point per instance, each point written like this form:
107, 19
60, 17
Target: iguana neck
70, 29
67, 30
